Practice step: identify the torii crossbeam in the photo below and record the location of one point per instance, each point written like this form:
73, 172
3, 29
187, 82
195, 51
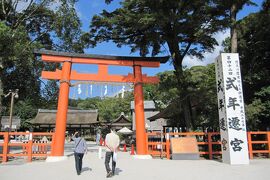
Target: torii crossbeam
66, 75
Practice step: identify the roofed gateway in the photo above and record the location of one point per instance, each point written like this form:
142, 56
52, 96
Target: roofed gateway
65, 75
120, 122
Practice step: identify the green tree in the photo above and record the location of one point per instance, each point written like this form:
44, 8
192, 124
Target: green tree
233, 7
49, 24
254, 53
204, 98
201, 94
89, 103
109, 108
164, 92
186, 27
253, 47
26, 111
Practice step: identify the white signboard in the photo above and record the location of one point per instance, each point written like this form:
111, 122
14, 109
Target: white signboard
12, 127
232, 120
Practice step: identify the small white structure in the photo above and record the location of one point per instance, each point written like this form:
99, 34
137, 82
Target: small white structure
125, 130
16, 123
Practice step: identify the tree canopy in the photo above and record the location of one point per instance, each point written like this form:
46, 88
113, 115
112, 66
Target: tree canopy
254, 50
253, 47
185, 27
201, 94
29, 25
145, 24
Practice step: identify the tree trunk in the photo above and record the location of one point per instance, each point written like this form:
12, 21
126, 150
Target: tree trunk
187, 114
1, 87
181, 83
233, 29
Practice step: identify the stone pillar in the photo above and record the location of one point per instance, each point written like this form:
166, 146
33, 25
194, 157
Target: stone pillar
231, 109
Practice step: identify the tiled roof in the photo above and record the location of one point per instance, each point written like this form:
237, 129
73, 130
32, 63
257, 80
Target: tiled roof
45, 116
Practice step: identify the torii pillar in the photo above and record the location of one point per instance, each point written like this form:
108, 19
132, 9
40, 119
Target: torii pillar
139, 111
62, 108
103, 61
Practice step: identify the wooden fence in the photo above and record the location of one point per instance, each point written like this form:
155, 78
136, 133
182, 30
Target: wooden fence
209, 143
32, 145
22, 144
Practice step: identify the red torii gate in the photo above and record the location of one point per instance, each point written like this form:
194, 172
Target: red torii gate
66, 75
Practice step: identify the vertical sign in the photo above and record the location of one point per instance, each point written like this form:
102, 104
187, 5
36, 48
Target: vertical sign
232, 120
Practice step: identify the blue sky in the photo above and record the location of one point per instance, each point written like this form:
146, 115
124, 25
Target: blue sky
86, 9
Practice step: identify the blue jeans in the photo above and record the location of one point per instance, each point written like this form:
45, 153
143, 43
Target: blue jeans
78, 162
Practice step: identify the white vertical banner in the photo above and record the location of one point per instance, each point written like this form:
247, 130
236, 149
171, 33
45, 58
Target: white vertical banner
106, 90
232, 120
79, 89
91, 90
86, 90
123, 92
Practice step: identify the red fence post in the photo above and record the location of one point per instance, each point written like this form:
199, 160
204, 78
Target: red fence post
167, 146
5, 147
210, 150
30, 145
125, 148
268, 139
100, 142
146, 141
52, 142
132, 150
250, 145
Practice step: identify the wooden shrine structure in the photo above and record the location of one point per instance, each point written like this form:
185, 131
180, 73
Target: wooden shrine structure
66, 74
83, 120
119, 123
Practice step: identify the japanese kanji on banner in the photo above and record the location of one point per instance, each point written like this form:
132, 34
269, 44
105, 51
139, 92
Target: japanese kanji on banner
232, 120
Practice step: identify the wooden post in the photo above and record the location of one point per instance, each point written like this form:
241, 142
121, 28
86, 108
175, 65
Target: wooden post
132, 150
250, 145
30, 145
167, 145
210, 150
139, 112
61, 116
100, 141
268, 139
5, 146
125, 147
146, 141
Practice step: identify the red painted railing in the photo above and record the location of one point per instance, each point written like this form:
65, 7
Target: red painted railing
261, 138
158, 144
27, 145
208, 143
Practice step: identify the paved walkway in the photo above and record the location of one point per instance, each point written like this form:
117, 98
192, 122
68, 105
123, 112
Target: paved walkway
129, 168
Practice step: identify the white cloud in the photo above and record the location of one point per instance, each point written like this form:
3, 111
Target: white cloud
209, 57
